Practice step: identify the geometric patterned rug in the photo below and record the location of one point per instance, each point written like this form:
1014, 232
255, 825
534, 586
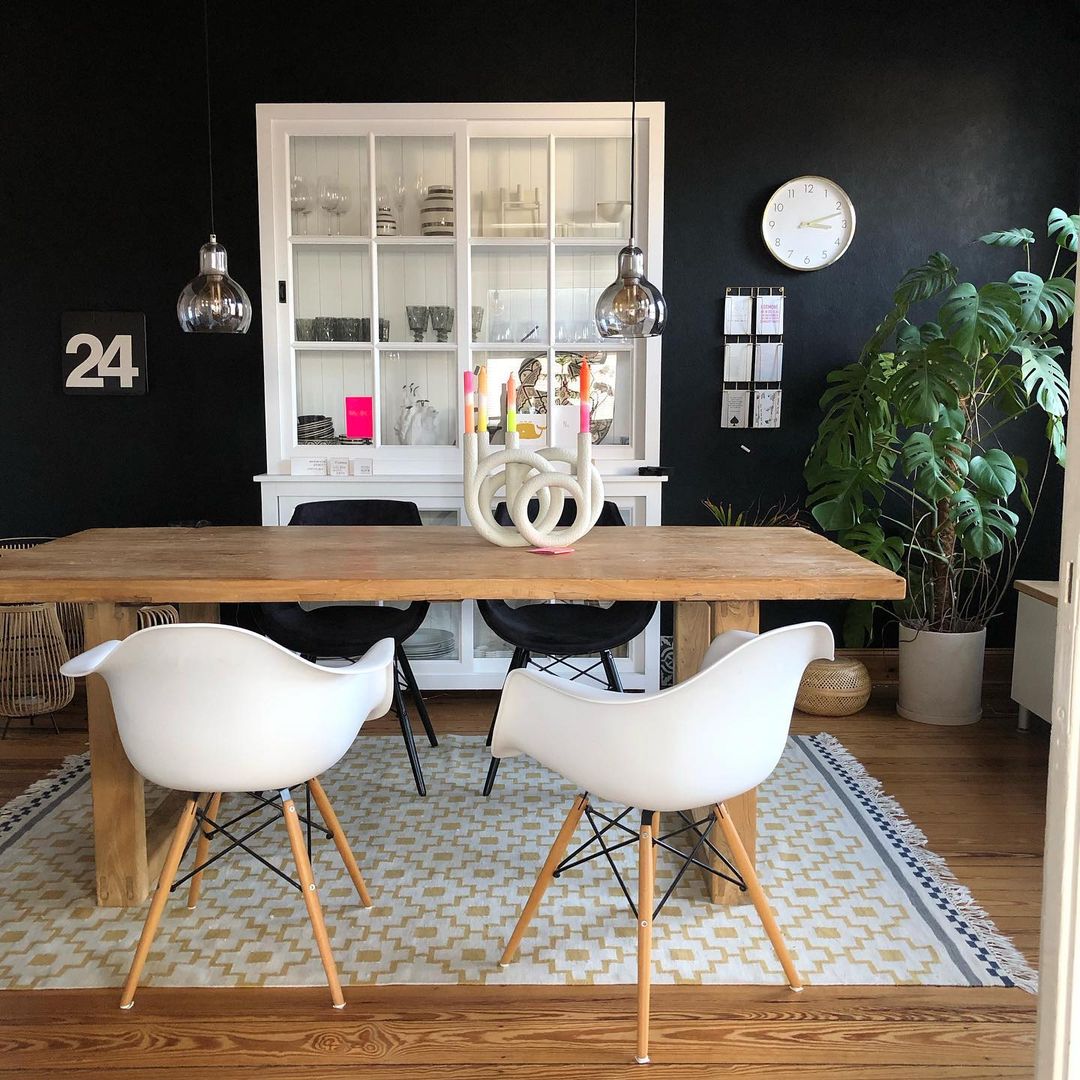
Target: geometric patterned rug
859, 898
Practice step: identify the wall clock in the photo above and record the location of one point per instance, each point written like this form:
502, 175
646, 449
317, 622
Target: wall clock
808, 223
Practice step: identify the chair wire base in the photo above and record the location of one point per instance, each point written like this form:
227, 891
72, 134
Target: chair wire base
577, 857
215, 828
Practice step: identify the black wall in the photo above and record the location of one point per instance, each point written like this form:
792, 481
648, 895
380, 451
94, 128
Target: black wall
942, 121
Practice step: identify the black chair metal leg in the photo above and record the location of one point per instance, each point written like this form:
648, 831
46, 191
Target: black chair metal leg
611, 671
520, 659
414, 690
407, 735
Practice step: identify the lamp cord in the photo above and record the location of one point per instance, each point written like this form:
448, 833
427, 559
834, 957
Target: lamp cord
633, 127
209, 131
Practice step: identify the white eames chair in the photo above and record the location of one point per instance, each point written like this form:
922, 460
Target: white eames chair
714, 736
209, 710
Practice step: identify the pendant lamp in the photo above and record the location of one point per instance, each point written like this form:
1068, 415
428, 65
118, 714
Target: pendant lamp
631, 306
212, 302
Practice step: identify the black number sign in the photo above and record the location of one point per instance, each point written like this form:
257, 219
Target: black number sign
103, 352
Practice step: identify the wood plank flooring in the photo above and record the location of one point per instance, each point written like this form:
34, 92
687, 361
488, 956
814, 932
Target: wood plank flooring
977, 792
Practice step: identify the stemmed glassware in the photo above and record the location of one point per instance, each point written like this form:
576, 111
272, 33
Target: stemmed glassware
418, 320
334, 198
399, 191
301, 200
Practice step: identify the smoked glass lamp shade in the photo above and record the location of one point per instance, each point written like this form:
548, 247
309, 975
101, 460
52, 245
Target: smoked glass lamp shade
631, 306
212, 303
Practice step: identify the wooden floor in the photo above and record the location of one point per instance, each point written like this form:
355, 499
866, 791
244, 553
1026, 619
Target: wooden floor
977, 792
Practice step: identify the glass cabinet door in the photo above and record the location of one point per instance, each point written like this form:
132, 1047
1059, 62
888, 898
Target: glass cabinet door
328, 187
414, 182
592, 187
510, 293
509, 185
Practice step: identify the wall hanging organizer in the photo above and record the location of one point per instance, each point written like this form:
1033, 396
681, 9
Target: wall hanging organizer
753, 356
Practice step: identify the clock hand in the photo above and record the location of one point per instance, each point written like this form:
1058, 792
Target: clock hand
825, 217
814, 225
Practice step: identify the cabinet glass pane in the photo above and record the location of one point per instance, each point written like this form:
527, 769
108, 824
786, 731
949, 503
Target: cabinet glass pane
581, 275
407, 167
592, 187
331, 293
611, 397
509, 187
529, 371
511, 288
419, 398
421, 278
324, 379
329, 185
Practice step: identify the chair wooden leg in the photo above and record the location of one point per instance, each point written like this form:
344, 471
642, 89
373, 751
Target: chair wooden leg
332, 823
656, 832
157, 905
311, 897
745, 866
558, 850
646, 856
211, 807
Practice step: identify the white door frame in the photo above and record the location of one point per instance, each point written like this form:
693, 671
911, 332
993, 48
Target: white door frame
1059, 960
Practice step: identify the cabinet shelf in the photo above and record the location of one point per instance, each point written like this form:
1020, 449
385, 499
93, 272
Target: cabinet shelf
332, 346
329, 241
509, 241
417, 346
415, 241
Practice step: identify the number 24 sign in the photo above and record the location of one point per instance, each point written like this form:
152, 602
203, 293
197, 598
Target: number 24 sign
103, 352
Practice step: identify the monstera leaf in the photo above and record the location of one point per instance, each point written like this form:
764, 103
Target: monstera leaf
855, 411
993, 473
847, 493
1008, 238
980, 320
1043, 378
1055, 432
981, 522
870, 541
929, 378
1063, 228
858, 624
1043, 304
938, 461
922, 282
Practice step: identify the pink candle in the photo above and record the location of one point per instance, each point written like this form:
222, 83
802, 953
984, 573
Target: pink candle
583, 394
469, 402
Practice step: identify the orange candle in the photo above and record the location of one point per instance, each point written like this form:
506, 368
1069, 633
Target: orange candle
511, 404
481, 401
583, 394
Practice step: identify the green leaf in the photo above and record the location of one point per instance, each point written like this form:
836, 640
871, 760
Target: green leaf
1055, 432
1021, 466
951, 418
1008, 238
1043, 378
1043, 304
922, 282
937, 460
1063, 228
927, 380
858, 624
1010, 397
869, 541
980, 320
981, 523
994, 473
847, 493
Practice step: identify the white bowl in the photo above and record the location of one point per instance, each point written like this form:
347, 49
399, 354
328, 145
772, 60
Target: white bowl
612, 211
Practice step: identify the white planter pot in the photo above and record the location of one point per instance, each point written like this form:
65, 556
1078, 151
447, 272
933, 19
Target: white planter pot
941, 676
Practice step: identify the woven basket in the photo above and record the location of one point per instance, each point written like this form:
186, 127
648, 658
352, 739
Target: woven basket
833, 687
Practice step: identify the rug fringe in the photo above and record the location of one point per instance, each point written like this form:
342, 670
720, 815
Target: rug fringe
64, 773
1012, 961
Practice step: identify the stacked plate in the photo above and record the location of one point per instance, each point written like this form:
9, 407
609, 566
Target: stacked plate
430, 643
313, 427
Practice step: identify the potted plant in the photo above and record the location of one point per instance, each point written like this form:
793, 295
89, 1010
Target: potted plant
911, 466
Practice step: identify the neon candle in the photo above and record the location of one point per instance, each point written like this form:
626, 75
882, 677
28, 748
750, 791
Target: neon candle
470, 399
583, 394
481, 402
511, 405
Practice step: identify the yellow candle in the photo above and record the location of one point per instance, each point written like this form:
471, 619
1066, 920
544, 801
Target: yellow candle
481, 401
511, 404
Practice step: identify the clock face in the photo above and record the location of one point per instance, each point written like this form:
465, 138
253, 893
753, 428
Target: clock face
808, 223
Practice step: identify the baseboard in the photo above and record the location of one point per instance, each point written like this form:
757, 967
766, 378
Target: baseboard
884, 664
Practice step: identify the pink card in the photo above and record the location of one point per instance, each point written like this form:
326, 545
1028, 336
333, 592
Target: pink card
551, 551
359, 418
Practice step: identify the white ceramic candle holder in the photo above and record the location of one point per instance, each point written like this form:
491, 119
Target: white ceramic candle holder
523, 475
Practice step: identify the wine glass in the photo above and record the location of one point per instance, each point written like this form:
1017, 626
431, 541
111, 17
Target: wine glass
334, 199
301, 200
421, 191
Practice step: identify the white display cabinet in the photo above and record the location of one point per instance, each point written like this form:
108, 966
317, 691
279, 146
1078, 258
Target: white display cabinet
405, 244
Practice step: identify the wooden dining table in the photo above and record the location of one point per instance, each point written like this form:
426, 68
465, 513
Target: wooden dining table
716, 577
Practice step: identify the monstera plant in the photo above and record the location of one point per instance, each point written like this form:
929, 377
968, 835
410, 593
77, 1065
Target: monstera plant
912, 466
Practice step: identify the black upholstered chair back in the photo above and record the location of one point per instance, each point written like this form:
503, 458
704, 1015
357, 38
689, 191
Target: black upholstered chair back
608, 516
356, 512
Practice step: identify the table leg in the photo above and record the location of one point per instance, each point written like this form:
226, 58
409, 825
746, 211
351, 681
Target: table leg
204, 613
696, 624
117, 789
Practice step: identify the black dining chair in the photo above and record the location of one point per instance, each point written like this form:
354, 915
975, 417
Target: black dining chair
559, 632
349, 630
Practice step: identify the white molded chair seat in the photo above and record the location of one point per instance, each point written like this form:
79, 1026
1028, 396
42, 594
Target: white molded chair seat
210, 709
710, 738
